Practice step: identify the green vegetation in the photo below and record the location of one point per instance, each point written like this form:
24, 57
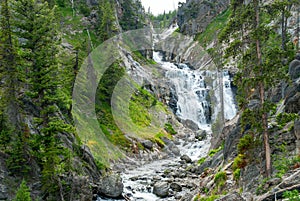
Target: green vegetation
236, 174
283, 118
169, 128
291, 195
213, 29
239, 162
283, 162
201, 160
212, 152
220, 179
23, 193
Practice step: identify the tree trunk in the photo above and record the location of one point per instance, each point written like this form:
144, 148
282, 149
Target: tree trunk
262, 97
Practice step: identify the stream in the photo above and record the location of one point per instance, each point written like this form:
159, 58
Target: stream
193, 104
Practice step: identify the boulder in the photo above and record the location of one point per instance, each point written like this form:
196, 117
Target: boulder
230, 197
190, 124
186, 158
176, 187
294, 67
161, 189
297, 134
111, 186
201, 135
147, 144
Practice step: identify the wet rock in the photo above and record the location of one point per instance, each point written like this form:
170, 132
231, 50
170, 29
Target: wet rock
176, 187
201, 135
230, 197
161, 189
111, 186
186, 158
147, 144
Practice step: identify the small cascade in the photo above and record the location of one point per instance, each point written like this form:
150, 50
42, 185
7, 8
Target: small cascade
229, 103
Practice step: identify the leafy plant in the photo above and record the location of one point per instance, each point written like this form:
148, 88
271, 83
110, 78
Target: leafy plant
237, 174
291, 195
201, 160
23, 193
169, 128
239, 162
220, 178
214, 151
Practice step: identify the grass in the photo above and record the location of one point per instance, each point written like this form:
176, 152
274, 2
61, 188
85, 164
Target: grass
213, 29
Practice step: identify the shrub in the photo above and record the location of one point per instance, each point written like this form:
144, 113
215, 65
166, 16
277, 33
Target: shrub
169, 128
23, 193
237, 174
201, 160
220, 178
291, 195
214, 151
239, 162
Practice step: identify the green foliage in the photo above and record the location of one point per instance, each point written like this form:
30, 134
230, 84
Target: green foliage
107, 21
239, 162
236, 174
23, 193
212, 152
164, 20
213, 29
284, 118
169, 128
261, 187
201, 160
283, 162
210, 198
291, 195
220, 179
132, 17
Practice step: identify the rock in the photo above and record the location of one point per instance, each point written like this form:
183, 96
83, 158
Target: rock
201, 135
3, 192
230, 197
190, 124
294, 67
297, 134
111, 186
176, 187
186, 158
161, 189
147, 144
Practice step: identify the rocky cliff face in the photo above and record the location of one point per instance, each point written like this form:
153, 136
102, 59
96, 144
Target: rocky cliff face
194, 15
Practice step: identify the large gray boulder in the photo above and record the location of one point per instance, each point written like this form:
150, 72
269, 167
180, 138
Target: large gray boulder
111, 186
294, 67
161, 189
230, 197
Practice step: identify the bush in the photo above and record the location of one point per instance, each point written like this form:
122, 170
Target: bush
283, 118
214, 151
237, 174
291, 195
220, 178
239, 162
201, 160
169, 128
23, 193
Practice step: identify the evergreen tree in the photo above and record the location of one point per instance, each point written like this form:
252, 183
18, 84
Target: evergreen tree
35, 24
257, 51
23, 193
107, 26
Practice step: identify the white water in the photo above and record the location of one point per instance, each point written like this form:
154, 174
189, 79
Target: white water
191, 90
192, 104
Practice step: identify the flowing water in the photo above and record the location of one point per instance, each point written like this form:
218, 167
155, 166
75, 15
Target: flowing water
193, 104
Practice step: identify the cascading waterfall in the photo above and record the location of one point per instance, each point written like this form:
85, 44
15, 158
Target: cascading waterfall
193, 102
193, 97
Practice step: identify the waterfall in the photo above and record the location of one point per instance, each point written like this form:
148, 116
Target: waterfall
192, 91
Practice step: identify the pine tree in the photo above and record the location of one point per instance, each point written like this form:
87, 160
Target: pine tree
23, 193
257, 51
107, 26
35, 24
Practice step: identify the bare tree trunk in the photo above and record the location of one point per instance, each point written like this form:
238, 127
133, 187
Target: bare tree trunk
262, 97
